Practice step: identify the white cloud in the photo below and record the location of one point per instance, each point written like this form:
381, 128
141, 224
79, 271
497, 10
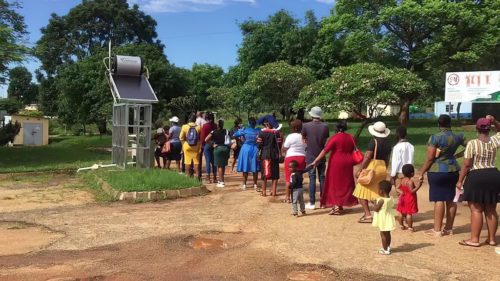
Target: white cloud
326, 1
174, 6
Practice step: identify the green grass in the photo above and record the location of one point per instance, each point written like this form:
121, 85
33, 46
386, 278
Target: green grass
147, 180
65, 153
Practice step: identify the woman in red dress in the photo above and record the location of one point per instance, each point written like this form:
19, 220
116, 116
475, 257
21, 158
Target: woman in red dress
339, 180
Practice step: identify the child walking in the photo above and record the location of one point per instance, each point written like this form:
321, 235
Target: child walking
296, 180
407, 205
383, 218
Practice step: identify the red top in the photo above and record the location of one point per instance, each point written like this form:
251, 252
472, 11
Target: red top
205, 131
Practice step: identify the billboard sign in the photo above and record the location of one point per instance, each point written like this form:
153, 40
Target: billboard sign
476, 86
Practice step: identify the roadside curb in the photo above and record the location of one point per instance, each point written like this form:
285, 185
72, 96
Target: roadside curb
144, 196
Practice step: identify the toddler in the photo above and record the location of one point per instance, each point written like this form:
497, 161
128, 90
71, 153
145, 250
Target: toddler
296, 180
383, 218
407, 204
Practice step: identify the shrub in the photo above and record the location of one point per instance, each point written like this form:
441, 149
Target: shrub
9, 132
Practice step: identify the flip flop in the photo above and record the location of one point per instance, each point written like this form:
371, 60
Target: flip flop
468, 243
335, 212
364, 219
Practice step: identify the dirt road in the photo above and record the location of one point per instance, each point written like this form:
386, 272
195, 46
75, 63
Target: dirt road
229, 234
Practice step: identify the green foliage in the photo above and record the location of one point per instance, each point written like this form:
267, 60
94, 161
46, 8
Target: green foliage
353, 88
9, 132
20, 86
278, 84
280, 37
10, 105
204, 76
47, 94
88, 27
12, 32
147, 180
234, 101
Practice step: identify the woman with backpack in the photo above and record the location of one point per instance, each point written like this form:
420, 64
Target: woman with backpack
191, 148
221, 141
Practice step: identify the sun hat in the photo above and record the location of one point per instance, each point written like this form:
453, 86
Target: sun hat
316, 112
379, 130
160, 131
483, 124
174, 119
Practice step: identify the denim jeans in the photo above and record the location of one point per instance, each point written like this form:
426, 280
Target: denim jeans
312, 181
208, 153
298, 199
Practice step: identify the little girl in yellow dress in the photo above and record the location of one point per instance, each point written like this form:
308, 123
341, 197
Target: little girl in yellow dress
384, 216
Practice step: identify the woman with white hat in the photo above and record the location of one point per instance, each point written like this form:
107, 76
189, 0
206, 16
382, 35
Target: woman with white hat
376, 159
175, 143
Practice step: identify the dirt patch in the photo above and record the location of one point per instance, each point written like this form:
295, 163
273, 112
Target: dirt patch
19, 238
166, 258
25, 192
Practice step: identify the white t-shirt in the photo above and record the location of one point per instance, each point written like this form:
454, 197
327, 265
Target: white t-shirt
295, 145
402, 154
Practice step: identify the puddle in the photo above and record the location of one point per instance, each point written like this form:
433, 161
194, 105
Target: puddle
203, 243
19, 238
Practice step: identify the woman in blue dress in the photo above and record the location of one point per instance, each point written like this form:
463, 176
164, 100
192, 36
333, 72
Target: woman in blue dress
247, 160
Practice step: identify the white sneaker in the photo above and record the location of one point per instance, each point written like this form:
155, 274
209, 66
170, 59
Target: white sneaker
255, 187
384, 252
244, 186
220, 184
309, 206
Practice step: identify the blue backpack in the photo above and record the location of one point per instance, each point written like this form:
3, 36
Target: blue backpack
192, 136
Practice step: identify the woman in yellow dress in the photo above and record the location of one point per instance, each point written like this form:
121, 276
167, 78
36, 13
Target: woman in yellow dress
376, 158
191, 148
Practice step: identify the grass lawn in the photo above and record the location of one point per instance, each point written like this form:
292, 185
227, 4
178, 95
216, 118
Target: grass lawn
147, 180
65, 153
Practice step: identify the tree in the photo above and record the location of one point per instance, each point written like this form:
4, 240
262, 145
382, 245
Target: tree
88, 28
12, 31
278, 84
359, 86
280, 37
9, 132
235, 100
47, 94
205, 76
425, 37
10, 105
20, 86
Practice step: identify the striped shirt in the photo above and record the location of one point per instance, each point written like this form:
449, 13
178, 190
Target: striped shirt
483, 153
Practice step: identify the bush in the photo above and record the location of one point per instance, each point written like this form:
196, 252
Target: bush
9, 132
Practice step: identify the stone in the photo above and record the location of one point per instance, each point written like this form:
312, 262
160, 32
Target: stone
172, 194
186, 192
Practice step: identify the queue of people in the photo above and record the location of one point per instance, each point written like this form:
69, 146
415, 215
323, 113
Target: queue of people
261, 150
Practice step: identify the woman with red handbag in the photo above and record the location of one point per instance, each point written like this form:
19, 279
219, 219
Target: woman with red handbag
339, 186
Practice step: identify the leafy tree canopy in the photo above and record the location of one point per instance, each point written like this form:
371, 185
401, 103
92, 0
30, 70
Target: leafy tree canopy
10, 105
278, 84
20, 86
205, 76
12, 31
356, 87
88, 28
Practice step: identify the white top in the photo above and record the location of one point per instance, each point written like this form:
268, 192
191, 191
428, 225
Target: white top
295, 145
402, 154
200, 121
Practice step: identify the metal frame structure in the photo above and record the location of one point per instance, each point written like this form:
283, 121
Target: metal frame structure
132, 120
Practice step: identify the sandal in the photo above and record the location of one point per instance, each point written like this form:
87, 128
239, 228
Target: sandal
336, 211
364, 219
491, 243
411, 229
402, 227
447, 231
433, 233
468, 243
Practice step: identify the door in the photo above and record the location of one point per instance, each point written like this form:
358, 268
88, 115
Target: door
33, 134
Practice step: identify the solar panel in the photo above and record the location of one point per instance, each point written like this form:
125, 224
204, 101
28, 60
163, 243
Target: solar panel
132, 89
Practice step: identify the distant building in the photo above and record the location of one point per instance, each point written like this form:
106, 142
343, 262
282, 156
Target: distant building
442, 107
34, 130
